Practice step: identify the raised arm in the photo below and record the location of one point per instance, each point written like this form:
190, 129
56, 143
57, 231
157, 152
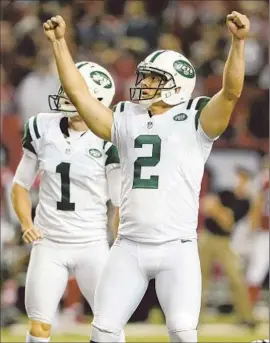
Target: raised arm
216, 114
96, 116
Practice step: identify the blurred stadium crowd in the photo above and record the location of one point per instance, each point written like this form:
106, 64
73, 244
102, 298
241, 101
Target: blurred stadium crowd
118, 34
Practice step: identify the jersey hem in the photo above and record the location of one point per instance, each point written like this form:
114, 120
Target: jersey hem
151, 241
76, 242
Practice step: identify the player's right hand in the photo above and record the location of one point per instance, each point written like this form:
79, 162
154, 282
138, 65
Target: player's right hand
55, 28
209, 204
31, 234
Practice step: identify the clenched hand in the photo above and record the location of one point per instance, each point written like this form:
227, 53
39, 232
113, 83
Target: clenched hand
238, 24
55, 28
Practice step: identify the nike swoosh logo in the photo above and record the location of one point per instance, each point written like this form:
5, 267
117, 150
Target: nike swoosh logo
185, 240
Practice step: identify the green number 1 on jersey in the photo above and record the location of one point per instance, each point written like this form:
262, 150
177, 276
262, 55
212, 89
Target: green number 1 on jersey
65, 205
151, 161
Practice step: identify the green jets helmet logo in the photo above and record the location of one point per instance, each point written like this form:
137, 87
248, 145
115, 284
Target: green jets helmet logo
95, 153
184, 68
101, 79
180, 117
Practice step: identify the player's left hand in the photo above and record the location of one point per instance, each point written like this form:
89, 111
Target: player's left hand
238, 24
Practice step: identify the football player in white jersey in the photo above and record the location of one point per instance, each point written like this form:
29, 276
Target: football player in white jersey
163, 141
79, 173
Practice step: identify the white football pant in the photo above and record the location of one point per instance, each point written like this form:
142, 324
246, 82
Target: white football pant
48, 273
124, 280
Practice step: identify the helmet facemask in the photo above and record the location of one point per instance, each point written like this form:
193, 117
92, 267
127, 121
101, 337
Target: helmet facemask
60, 103
166, 83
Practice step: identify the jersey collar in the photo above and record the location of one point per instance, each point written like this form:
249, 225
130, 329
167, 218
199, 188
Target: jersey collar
64, 126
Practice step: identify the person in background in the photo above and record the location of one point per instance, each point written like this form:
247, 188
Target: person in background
32, 95
9, 250
222, 211
259, 257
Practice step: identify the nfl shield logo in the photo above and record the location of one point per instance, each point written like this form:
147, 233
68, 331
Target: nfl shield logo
150, 125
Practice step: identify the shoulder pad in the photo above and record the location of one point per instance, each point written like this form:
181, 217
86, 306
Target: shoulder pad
120, 107
197, 103
125, 106
35, 127
43, 120
31, 133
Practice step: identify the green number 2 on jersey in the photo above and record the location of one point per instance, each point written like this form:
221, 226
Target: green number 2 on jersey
151, 161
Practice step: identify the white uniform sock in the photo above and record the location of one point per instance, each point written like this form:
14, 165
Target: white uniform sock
33, 339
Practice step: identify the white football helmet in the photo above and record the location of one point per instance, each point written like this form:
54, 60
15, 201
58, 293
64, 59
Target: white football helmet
176, 72
100, 84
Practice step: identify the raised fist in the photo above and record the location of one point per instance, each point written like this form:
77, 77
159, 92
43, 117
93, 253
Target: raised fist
238, 24
55, 28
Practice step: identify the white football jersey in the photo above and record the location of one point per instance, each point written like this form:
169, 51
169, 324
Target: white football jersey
73, 185
162, 164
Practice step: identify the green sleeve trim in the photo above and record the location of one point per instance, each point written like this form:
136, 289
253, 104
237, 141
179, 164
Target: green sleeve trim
36, 128
119, 107
189, 104
199, 107
27, 139
113, 156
